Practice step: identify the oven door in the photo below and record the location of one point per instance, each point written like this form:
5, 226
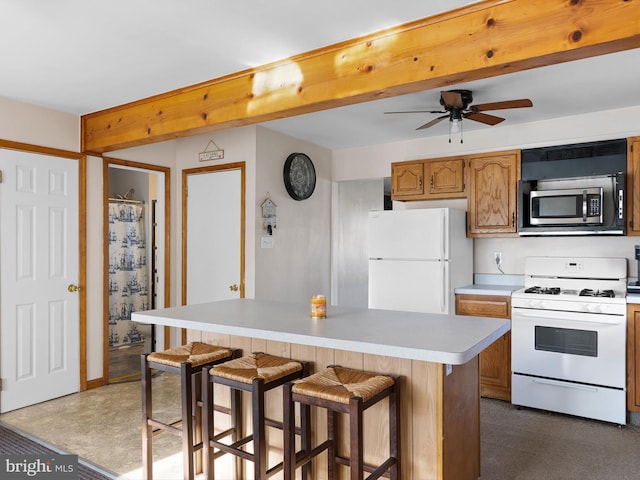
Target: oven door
578, 347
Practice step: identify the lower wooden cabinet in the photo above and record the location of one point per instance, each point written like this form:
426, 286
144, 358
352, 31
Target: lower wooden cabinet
633, 357
495, 361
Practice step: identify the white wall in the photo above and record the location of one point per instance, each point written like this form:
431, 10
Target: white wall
375, 162
22, 122
298, 266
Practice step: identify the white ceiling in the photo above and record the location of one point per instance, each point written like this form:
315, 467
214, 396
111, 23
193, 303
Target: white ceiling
81, 56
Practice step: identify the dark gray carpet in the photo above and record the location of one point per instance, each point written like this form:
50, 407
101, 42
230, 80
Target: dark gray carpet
13, 442
528, 444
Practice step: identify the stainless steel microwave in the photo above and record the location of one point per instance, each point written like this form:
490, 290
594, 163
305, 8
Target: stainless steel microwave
573, 206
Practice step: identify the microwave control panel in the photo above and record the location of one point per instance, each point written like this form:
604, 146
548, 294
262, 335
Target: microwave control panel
593, 206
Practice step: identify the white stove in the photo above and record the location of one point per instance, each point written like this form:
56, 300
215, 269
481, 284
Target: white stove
568, 328
594, 285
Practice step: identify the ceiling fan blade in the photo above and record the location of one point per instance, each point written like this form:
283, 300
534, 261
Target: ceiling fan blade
521, 103
483, 118
452, 99
419, 111
432, 122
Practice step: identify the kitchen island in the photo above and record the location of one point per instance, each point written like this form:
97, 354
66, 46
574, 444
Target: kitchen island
437, 356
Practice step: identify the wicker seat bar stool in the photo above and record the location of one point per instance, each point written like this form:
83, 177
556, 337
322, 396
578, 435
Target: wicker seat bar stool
350, 392
257, 374
188, 361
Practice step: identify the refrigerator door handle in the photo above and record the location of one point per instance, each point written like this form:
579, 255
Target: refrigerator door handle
443, 240
444, 290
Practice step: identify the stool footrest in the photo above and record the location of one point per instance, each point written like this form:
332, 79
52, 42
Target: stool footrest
376, 472
165, 427
234, 448
302, 458
226, 433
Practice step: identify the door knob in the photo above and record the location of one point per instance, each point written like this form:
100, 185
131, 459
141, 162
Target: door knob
73, 288
233, 288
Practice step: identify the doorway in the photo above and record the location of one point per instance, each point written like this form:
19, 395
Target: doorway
213, 233
136, 263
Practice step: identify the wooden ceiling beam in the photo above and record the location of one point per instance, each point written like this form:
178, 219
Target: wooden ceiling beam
490, 38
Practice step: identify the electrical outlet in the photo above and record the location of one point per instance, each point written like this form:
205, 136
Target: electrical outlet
497, 258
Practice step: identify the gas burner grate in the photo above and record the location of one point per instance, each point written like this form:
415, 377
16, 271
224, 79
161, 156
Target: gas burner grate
587, 292
543, 290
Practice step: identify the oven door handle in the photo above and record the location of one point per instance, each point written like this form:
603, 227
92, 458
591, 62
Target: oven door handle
565, 385
603, 319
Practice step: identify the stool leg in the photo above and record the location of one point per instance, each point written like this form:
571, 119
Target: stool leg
305, 437
394, 432
237, 425
355, 438
332, 434
207, 425
187, 420
147, 434
288, 427
259, 431
196, 394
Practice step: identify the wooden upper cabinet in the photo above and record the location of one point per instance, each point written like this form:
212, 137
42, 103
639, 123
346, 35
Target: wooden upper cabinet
446, 178
633, 186
428, 179
492, 193
407, 180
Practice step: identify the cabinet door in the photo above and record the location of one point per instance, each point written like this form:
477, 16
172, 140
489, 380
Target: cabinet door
446, 178
633, 357
407, 180
633, 187
492, 194
495, 361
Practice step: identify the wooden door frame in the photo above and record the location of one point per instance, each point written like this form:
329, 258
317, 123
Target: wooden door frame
106, 163
82, 237
202, 170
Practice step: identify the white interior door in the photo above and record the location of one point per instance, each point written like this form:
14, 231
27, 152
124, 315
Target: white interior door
39, 314
214, 213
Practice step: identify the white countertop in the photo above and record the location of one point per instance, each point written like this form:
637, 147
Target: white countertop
487, 289
633, 298
450, 339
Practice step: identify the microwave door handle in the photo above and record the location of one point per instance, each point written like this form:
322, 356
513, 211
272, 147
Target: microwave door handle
584, 205
620, 204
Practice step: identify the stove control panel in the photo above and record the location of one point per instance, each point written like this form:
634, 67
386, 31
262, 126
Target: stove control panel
573, 266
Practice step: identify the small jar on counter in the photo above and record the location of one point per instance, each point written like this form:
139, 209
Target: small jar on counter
318, 306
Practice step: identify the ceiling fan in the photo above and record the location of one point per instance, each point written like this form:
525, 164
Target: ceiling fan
457, 105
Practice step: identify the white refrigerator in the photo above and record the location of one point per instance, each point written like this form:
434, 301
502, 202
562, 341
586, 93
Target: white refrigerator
416, 259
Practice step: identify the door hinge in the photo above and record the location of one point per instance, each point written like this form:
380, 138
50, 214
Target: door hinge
0, 176
0, 384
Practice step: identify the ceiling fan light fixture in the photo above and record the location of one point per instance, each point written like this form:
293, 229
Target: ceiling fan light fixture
455, 126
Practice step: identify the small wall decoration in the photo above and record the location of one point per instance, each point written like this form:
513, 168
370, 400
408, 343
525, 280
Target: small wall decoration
212, 152
268, 215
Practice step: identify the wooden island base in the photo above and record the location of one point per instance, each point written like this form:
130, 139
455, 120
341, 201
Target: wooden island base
440, 424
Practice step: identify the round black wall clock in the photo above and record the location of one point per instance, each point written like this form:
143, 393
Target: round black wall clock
299, 176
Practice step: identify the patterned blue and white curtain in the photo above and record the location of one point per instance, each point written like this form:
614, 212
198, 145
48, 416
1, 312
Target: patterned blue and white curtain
128, 279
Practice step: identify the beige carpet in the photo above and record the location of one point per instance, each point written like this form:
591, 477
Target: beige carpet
527, 444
